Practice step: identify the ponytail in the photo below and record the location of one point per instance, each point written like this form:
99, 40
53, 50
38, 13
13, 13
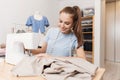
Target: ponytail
77, 29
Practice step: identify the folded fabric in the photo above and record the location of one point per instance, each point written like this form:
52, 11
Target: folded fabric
26, 67
56, 68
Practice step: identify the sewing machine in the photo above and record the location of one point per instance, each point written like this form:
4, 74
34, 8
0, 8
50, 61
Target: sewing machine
16, 43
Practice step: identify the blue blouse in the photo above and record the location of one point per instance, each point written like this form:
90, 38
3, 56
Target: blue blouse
59, 44
37, 24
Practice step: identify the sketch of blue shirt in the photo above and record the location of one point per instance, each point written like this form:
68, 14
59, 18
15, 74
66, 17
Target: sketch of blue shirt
37, 24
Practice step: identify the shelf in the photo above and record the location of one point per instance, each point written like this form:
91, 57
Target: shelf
89, 59
88, 52
89, 40
86, 25
87, 17
86, 32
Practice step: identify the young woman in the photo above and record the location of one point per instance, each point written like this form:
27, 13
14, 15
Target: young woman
65, 40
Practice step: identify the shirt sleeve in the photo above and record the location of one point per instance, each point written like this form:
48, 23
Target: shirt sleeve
46, 22
47, 36
29, 22
75, 44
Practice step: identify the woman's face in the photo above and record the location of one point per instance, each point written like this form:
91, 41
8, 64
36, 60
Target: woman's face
65, 22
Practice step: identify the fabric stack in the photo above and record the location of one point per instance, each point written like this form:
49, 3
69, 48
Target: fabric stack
56, 68
88, 12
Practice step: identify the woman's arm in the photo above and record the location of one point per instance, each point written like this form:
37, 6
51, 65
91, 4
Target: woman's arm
80, 53
40, 50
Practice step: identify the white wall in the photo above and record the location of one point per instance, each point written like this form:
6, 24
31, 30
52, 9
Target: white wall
99, 33
81, 3
17, 11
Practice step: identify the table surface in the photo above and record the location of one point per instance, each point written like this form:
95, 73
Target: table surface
5, 73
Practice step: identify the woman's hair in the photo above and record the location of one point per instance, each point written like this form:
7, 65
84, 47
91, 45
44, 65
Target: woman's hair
76, 16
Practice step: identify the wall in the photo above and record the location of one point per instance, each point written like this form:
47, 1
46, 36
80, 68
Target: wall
113, 31
81, 3
110, 31
17, 11
99, 32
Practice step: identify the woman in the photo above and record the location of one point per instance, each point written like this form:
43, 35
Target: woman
67, 38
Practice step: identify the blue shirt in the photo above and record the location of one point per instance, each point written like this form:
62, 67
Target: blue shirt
59, 44
37, 24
